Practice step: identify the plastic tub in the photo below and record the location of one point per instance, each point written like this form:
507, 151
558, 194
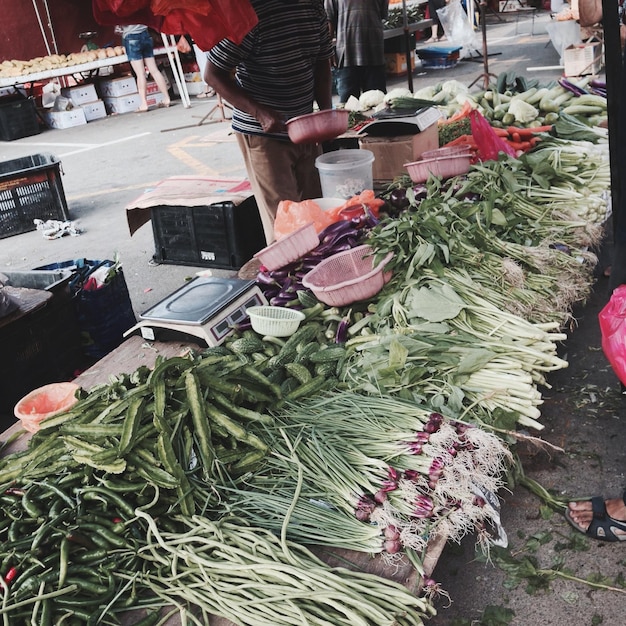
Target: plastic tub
275, 321
345, 173
327, 204
347, 277
289, 248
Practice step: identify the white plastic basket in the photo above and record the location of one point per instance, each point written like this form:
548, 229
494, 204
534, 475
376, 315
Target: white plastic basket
276, 321
347, 277
289, 248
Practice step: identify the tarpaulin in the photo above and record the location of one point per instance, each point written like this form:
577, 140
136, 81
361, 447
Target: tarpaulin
207, 21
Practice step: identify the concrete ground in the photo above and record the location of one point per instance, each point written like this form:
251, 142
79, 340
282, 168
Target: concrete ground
110, 162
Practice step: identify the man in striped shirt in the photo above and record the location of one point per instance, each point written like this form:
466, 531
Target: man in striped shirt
279, 70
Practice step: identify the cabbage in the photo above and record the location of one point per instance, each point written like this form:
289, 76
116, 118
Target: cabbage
398, 92
522, 111
370, 99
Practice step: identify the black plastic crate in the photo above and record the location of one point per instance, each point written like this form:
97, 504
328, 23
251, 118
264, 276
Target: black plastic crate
219, 235
18, 118
30, 188
41, 347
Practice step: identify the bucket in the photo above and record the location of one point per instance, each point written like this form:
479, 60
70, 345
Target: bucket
345, 173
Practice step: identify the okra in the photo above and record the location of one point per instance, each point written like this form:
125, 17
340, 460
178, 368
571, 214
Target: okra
200, 422
131, 424
234, 429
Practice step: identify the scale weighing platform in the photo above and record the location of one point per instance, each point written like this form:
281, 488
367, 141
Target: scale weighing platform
206, 307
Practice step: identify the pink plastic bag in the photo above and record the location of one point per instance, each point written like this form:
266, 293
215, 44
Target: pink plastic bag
489, 144
613, 326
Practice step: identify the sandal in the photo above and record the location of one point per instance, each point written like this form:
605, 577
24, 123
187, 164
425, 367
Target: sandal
209, 93
602, 525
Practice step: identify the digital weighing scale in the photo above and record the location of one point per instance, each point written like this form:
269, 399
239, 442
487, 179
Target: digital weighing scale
206, 307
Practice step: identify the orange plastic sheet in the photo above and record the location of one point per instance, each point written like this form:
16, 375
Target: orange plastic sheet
292, 215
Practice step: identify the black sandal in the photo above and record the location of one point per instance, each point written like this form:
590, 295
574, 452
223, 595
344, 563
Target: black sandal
602, 525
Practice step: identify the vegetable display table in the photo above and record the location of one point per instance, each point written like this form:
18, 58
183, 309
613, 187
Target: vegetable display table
135, 352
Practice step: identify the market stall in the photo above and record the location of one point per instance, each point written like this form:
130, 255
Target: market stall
381, 425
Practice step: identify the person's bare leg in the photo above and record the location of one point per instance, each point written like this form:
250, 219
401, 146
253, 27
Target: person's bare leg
159, 79
140, 75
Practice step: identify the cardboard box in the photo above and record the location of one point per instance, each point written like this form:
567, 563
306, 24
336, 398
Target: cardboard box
122, 104
396, 62
81, 93
391, 153
115, 87
581, 59
94, 110
65, 119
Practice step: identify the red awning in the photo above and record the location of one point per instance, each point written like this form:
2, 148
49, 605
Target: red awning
207, 21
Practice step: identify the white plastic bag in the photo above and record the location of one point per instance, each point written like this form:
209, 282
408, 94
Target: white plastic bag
457, 27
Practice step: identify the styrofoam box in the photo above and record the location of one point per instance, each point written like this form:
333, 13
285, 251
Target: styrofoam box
193, 89
582, 59
154, 99
122, 104
65, 119
152, 87
115, 87
94, 110
80, 93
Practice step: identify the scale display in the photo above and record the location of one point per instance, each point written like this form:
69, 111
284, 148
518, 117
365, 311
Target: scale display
206, 307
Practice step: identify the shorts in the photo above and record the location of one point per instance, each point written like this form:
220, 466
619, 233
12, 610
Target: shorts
138, 46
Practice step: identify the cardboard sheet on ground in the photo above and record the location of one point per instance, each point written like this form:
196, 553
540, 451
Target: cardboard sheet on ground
186, 191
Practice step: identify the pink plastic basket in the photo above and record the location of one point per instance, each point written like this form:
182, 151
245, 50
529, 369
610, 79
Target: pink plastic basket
443, 167
347, 277
289, 248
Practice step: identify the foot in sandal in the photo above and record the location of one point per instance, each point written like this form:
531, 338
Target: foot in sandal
598, 518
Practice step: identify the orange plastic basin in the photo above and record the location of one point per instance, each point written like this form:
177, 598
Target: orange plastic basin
44, 402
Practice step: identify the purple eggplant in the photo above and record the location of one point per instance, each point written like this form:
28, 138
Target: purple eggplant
398, 199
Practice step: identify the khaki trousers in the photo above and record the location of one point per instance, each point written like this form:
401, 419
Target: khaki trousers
279, 170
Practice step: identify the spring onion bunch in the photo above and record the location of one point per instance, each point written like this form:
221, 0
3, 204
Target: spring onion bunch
432, 469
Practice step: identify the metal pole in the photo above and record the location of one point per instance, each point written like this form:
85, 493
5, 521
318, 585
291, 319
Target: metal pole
407, 45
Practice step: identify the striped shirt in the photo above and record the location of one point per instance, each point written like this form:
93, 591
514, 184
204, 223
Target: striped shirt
358, 27
275, 62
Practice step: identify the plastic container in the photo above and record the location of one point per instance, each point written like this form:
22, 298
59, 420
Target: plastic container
276, 321
327, 204
347, 277
289, 248
345, 173
443, 167
319, 126
45, 402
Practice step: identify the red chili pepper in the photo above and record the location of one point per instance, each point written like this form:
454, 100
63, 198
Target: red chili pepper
117, 520
11, 575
